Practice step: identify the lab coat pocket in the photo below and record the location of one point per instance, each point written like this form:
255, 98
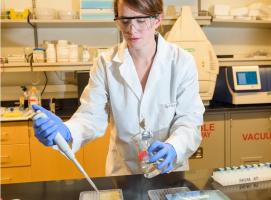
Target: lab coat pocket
166, 114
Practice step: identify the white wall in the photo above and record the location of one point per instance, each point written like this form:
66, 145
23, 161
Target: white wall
238, 41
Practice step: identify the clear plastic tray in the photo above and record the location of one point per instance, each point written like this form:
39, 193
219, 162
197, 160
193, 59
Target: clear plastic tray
160, 194
198, 195
114, 194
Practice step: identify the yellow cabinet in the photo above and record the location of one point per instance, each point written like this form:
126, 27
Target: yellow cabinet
95, 153
15, 155
250, 137
24, 158
14, 132
211, 153
15, 175
50, 164
15, 152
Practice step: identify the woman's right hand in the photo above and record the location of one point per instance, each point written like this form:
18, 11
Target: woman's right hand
48, 126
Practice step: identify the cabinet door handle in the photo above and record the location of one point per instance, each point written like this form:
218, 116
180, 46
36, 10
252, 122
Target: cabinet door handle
4, 157
5, 179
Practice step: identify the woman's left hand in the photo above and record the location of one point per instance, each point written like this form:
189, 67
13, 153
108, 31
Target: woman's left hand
164, 152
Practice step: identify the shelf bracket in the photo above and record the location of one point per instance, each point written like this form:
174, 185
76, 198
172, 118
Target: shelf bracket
34, 26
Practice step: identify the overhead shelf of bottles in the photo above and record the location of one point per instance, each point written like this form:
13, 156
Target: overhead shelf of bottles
26, 67
58, 23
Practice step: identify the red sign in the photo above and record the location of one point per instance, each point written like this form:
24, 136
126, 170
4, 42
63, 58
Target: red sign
256, 136
207, 129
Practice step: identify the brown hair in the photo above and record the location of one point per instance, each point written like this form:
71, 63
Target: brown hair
147, 7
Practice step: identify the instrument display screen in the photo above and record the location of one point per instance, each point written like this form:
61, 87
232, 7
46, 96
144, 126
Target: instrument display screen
247, 78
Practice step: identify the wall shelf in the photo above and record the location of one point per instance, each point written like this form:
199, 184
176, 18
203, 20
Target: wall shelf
7, 23
226, 62
202, 20
79, 66
240, 23
25, 67
57, 23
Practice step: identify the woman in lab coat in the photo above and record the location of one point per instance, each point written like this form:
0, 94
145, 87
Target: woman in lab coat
144, 83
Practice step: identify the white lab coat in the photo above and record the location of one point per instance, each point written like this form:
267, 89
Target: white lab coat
170, 105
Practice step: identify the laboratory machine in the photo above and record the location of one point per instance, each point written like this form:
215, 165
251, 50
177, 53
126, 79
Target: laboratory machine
187, 34
244, 85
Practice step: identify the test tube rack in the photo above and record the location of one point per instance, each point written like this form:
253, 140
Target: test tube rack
242, 174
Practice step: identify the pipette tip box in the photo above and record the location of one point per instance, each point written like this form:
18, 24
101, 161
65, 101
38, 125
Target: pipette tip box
113, 194
198, 195
160, 194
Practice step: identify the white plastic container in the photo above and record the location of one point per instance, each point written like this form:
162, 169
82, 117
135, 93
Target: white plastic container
221, 10
67, 14
73, 53
39, 55
45, 13
50, 53
85, 54
62, 51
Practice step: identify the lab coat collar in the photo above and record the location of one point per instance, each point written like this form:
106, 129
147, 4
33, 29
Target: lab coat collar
121, 52
159, 63
128, 71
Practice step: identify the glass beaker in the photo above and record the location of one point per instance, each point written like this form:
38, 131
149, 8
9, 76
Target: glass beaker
143, 141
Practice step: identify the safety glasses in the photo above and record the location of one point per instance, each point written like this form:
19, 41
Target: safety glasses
140, 23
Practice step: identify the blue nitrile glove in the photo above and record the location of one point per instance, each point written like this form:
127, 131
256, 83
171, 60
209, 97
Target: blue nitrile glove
47, 128
165, 152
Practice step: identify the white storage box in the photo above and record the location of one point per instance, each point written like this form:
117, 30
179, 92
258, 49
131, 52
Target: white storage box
221, 10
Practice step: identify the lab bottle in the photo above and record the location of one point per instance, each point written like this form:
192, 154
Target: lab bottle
85, 54
73, 53
62, 51
25, 96
52, 105
39, 55
50, 53
34, 97
21, 101
142, 142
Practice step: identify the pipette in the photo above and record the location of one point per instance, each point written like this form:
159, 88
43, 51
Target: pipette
65, 148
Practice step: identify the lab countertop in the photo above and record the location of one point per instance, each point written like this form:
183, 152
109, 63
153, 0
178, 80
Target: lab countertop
223, 107
134, 187
66, 107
